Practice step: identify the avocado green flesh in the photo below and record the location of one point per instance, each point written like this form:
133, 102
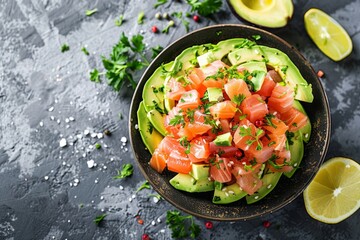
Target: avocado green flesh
305, 130
157, 120
228, 194
273, 14
223, 140
187, 183
289, 72
269, 180
200, 171
215, 94
258, 71
297, 153
151, 138
246, 54
153, 92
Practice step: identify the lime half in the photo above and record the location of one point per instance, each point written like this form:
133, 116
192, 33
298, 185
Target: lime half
328, 35
334, 193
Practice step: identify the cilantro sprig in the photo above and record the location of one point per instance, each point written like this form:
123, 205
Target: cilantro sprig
182, 226
126, 171
247, 131
99, 219
205, 7
126, 58
146, 185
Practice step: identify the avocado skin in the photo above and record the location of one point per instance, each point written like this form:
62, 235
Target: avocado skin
150, 139
272, 18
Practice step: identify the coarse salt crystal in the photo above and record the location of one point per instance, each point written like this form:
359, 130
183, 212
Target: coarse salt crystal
123, 139
63, 142
51, 109
58, 121
93, 135
155, 199
41, 124
121, 187
100, 135
153, 223
86, 132
52, 118
46, 178
71, 119
111, 159
76, 180
67, 120
90, 163
158, 220
102, 197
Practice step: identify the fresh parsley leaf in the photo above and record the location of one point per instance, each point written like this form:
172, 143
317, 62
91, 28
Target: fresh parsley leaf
140, 18
268, 120
246, 43
177, 119
185, 143
247, 131
95, 76
85, 51
150, 127
156, 50
184, 22
91, 12
126, 171
99, 219
180, 225
159, 3
205, 7
65, 48
146, 184
119, 21
289, 137
256, 37
239, 98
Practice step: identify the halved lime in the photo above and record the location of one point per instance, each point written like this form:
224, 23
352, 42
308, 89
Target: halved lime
334, 193
328, 35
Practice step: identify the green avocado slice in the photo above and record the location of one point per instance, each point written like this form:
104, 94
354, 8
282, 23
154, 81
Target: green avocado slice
306, 130
228, 194
149, 135
269, 182
187, 183
297, 152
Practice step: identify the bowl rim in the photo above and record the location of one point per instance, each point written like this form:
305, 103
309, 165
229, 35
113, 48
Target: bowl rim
326, 138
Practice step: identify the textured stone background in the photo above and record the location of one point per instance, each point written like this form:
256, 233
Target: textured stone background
42, 88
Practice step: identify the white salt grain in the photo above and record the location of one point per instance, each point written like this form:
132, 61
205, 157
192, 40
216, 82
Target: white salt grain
63, 142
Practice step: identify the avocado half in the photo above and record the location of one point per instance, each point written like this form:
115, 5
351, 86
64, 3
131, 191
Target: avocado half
266, 13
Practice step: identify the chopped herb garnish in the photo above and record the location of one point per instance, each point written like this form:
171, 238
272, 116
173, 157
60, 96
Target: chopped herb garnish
190, 115
246, 43
150, 127
97, 145
156, 50
238, 98
268, 120
185, 143
99, 219
126, 171
184, 22
256, 37
247, 131
140, 18
284, 69
218, 33
65, 48
289, 137
179, 226
159, 3
119, 21
91, 12
177, 119
85, 51
205, 7
158, 108
95, 76
146, 184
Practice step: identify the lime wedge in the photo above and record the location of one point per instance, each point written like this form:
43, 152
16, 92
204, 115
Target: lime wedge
328, 35
334, 193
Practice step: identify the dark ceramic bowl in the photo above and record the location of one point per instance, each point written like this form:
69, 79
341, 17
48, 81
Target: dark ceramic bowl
287, 190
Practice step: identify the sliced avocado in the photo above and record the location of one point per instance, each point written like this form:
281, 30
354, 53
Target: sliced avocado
200, 171
289, 72
157, 120
306, 130
218, 185
187, 183
272, 14
206, 59
215, 94
153, 92
149, 135
246, 54
297, 152
228, 194
269, 182
223, 140
258, 72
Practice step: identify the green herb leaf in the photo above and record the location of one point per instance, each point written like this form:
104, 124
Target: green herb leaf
99, 219
239, 98
256, 37
119, 21
97, 145
289, 137
180, 225
85, 51
205, 7
126, 171
156, 50
140, 18
269, 122
65, 48
91, 12
177, 119
146, 184
95, 76
247, 131
159, 3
